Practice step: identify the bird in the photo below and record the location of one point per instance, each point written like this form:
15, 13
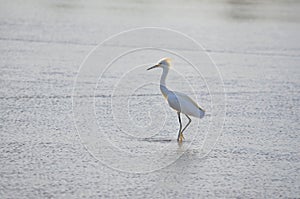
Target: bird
178, 101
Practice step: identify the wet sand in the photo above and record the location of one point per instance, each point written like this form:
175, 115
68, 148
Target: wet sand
45, 151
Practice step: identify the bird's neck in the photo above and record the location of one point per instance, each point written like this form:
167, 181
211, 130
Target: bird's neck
164, 76
163, 88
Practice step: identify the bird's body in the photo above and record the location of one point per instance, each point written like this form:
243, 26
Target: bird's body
180, 102
184, 104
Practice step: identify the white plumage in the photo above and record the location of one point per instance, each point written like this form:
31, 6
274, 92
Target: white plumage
176, 100
184, 104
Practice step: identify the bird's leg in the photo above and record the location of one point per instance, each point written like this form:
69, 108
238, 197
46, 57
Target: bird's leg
181, 135
180, 126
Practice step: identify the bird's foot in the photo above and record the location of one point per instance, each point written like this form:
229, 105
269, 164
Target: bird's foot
181, 137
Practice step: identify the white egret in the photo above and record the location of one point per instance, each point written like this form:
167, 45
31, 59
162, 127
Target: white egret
176, 100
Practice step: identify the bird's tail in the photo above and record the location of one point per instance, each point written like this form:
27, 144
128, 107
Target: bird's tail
202, 112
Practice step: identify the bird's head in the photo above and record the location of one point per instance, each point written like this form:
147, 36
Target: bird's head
163, 63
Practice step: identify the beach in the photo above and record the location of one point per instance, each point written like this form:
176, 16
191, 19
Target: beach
76, 124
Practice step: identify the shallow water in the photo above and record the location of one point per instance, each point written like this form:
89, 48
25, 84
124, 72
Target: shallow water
256, 47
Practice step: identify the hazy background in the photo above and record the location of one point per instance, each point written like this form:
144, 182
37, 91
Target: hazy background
256, 46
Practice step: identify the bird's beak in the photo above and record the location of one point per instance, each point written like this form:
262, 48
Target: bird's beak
155, 66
